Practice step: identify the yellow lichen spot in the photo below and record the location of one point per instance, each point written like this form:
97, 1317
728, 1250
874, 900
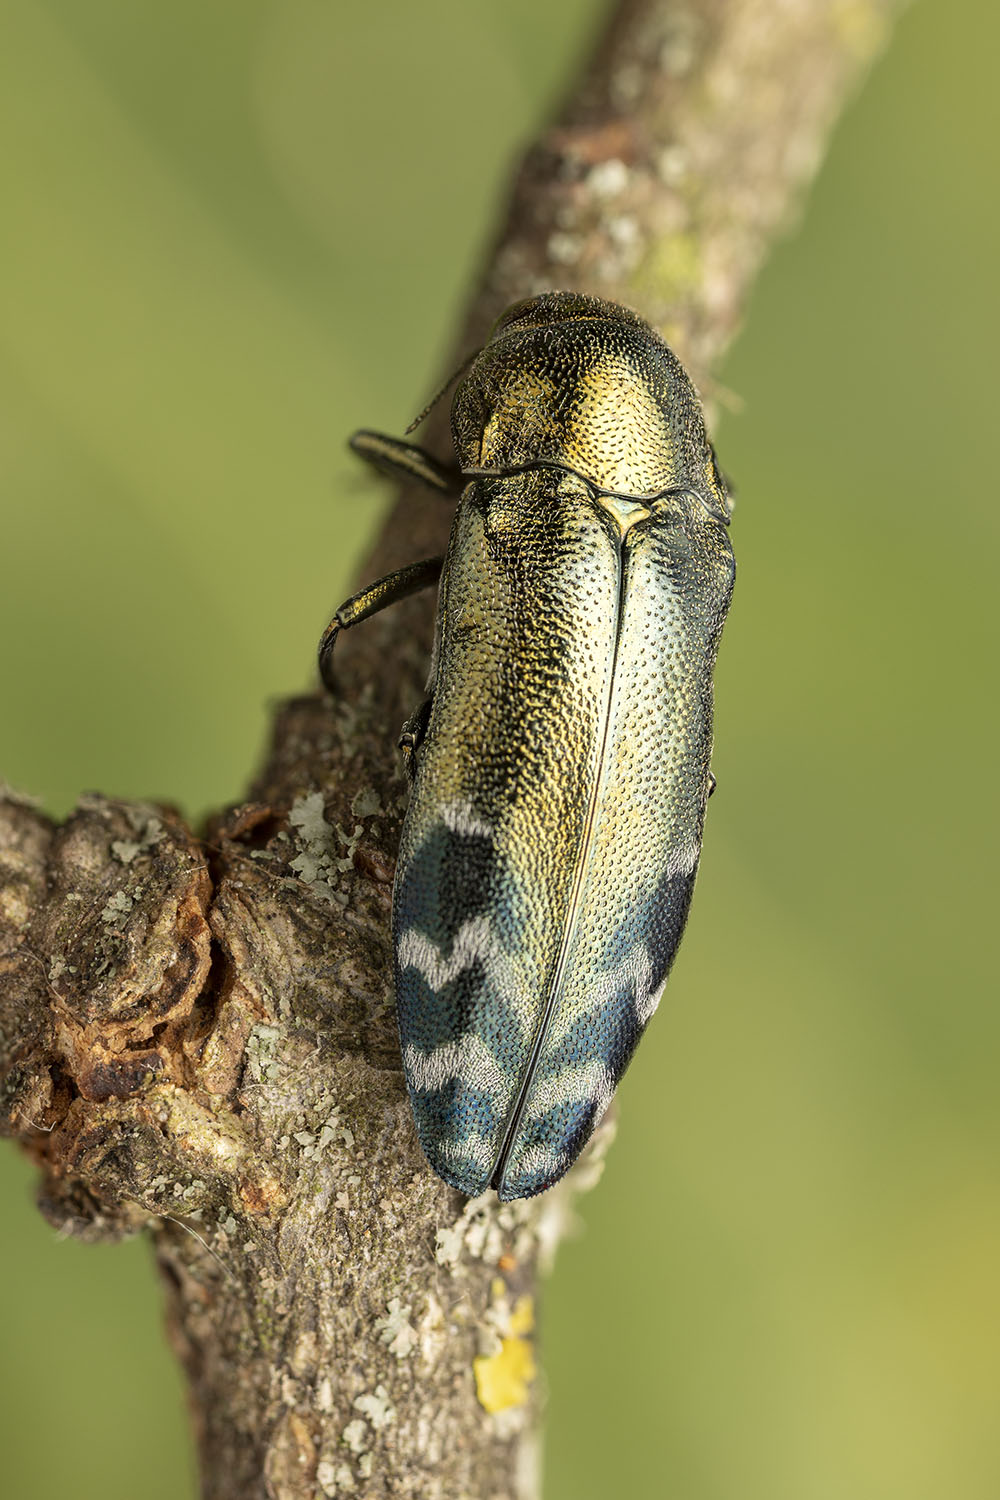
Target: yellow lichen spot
502, 1379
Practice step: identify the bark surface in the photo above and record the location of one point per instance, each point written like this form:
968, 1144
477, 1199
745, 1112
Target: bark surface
196, 1031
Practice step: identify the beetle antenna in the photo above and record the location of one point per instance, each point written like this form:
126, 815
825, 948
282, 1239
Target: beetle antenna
442, 392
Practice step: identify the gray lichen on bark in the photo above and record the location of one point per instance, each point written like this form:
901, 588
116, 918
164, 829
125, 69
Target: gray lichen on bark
196, 1032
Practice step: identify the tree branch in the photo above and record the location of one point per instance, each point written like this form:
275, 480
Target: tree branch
196, 1035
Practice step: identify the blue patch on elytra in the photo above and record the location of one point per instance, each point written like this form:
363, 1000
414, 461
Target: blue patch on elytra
609, 1035
458, 1126
446, 889
455, 1110
467, 1004
432, 1016
464, 1028
449, 878
463, 1042
606, 1034
664, 921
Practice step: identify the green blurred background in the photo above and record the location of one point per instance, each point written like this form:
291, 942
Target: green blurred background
231, 232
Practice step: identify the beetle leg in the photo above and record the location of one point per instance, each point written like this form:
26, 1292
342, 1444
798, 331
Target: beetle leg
406, 461
411, 736
712, 784
369, 601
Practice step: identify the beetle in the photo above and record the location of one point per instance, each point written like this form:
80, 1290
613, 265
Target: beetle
560, 763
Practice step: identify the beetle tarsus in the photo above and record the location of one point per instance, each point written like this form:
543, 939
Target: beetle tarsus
325, 654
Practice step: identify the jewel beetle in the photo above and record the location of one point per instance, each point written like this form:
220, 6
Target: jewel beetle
560, 762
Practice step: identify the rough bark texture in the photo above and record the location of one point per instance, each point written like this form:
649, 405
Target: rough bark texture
196, 1034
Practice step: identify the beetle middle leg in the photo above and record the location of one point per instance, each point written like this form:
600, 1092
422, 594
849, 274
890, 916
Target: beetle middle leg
369, 601
411, 736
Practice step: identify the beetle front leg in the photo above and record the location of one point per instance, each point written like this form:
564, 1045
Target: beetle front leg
369, 601
406, 461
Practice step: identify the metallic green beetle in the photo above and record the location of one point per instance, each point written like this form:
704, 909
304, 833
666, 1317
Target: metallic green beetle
561, 761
